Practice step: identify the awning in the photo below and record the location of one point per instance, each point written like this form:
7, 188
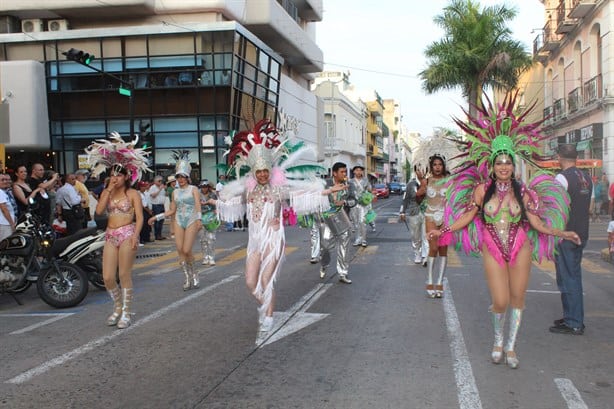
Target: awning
583, 145
581, 163
374, 175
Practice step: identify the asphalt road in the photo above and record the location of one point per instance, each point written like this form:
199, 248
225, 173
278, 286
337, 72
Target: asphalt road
377, 343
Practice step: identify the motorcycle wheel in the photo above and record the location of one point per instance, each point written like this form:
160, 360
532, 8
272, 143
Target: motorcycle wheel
93, 268
64, 286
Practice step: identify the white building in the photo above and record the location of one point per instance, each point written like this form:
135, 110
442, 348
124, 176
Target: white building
198, 70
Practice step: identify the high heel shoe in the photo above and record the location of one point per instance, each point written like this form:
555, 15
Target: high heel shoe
511, 359
126, 318
438, 290
187, 282
430, 290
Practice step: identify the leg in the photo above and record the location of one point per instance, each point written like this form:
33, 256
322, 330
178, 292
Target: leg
189, 238
569, 280
126, 261
314, 238
343, 262
355, 216
179, 237
415, 234
430, 262
362, 225
204, 246
327, 242
109, 275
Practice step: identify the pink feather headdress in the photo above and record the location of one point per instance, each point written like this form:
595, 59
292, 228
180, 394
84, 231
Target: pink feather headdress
105, 154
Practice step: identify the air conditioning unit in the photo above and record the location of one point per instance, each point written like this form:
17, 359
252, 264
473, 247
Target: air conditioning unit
32, 25
57, 25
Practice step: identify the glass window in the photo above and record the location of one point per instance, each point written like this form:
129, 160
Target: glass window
249, 72
207, 123
260, 92
136, 63
248, 86
208, 169
263, 61
222, 77
205, 60
177, 61
79, 128
112, 65
176, 140
174, 124
222, 60
273, 85
251, 52
274, 69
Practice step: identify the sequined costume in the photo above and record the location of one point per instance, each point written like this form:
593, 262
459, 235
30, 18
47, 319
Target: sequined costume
328, 240
435, 199
356, 188
123, 207
207, 237
186, 206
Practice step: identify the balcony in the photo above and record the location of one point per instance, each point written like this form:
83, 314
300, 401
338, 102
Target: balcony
574, 100
559, 109
592, 90
551, 38
580, 8
548, 115
565, 24
310, 10
539, 53
372, 128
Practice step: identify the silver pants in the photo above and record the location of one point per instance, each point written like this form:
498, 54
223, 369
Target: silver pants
417, 235
314, 236
328, 241
207, 242
357, 213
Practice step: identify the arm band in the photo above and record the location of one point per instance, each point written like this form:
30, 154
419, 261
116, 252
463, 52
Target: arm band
160, 216
445, 230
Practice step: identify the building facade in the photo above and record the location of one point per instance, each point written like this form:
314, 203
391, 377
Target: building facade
576, 49
195, 73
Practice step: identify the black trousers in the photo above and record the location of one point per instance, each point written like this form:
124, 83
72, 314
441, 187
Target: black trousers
73, 223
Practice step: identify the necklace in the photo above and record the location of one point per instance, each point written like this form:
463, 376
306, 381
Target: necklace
502, 189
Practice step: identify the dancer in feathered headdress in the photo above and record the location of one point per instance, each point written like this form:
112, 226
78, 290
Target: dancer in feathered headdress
185, 206
489, 211
126, 164
274, 176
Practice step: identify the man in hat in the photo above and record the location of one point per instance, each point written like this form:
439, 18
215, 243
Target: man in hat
568, 261
411, 208
207, 234
358, 185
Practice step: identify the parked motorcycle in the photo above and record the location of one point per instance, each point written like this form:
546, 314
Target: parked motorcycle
84, 249
28, 256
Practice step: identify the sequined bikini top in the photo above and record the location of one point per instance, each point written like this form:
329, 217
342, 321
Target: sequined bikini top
120, 206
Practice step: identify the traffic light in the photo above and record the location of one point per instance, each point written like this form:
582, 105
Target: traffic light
145, 136
79, 56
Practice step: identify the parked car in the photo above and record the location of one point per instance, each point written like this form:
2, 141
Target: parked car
381, 190
403, 187
395, 188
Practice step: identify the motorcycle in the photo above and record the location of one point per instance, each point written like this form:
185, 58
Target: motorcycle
84, 249
28, 256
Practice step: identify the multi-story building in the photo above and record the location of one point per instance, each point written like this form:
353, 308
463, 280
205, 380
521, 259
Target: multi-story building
344, 120
196, 71
392, 119
576, 50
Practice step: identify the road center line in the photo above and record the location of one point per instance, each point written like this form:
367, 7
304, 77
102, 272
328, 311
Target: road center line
570, 394
468, 395
62, 359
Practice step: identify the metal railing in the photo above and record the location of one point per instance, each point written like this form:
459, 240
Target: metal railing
574, 100
592, 89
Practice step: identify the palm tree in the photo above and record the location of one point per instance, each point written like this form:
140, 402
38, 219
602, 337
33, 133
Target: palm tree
476, 52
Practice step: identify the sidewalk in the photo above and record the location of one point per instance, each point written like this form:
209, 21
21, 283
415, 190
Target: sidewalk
599, 229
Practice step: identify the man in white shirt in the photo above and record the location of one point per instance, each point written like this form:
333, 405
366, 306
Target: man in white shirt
157, 196
145, 235
66, 199
7, 212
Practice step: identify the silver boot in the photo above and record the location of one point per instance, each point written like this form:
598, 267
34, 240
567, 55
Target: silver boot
498, 322
193, 275
187, 282
430, 289
443, 263
126, 319
510, 355
116, 296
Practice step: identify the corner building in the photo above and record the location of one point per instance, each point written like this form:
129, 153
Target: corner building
199, 71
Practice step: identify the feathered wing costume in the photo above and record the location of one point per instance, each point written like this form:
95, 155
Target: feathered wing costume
291, 181
497, 130
106, 154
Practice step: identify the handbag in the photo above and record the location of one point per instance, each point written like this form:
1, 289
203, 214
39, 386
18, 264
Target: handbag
77, 210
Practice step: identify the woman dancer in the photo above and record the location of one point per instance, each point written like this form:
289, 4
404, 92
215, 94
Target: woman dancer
22, 191
125, 218
185, 206
262, 192
491, 212
433, 190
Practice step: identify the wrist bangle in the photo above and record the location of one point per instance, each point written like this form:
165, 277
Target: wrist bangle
445, 230
159, 216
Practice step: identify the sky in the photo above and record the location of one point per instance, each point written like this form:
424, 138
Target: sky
381, 44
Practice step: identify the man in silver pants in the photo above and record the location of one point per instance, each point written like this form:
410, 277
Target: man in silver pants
328, 238
411, 206
357, 186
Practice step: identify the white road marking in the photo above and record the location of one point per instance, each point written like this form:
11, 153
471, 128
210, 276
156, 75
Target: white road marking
294, 319
570, 394
468, 395
56, 317
62, 359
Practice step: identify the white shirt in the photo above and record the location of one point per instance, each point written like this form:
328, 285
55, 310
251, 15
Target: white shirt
157, 195
219, 186
146, 199
562, 180
67, 196
4, 199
